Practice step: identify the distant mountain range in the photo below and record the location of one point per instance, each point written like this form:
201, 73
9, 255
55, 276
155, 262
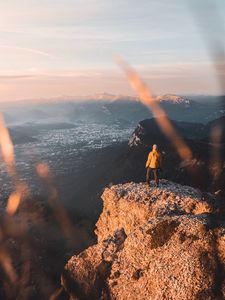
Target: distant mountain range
107, 108
112, 97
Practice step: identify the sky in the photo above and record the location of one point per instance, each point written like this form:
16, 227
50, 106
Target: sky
51, 48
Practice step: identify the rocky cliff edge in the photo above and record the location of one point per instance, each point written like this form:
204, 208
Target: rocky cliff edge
153, 243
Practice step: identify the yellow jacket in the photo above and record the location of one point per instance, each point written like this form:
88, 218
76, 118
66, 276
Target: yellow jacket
154, 160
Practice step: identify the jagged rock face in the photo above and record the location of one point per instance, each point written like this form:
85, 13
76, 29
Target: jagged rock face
153, 243
175, 261
206, 170
148, 130
130, 205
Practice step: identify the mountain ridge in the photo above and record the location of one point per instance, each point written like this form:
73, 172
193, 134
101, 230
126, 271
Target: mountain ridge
109, 108
149, 129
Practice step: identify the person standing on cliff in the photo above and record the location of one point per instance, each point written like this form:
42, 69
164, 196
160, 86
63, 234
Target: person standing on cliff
154, 164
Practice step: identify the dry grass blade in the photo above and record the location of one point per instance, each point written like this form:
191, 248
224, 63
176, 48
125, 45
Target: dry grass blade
13, 202
209, 21
164, 123
56, 294
8, 157
7, 266
216, 165
7, 148
54, 201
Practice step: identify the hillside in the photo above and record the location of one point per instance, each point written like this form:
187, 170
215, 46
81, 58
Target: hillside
203, 171
148, 129
159, 243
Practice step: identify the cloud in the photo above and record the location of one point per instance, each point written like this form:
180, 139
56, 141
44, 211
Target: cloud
93, 34
31, 13
30, 50
12, 77
44, 74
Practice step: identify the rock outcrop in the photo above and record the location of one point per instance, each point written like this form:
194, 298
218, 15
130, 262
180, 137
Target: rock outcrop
153, 243
148, 130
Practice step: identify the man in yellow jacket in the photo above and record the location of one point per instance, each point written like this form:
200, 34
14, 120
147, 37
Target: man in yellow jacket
153, 164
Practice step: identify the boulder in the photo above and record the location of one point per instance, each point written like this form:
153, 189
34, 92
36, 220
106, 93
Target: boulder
160, 243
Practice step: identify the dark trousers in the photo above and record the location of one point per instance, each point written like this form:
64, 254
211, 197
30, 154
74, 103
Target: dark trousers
155, 173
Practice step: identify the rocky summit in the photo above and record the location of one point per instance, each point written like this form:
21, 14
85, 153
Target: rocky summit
161, 243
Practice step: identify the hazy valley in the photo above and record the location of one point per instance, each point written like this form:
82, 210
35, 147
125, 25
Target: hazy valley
91, 145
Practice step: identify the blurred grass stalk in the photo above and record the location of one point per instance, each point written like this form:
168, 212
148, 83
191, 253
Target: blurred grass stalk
163, 121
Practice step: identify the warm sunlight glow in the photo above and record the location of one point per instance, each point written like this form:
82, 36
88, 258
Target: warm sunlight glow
13, 203
6, 264
164, 123
215, 165
43, 170
6, 147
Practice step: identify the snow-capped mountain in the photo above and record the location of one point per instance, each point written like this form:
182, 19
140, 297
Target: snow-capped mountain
108, 97
109, 108
95, 97
173, 99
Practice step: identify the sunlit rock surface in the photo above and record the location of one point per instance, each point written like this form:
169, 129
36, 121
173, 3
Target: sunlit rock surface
153, 243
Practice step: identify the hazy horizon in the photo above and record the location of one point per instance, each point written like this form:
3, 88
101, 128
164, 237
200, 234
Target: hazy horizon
100, 97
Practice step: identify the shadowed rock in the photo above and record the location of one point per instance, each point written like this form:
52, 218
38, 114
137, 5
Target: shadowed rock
158, 243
